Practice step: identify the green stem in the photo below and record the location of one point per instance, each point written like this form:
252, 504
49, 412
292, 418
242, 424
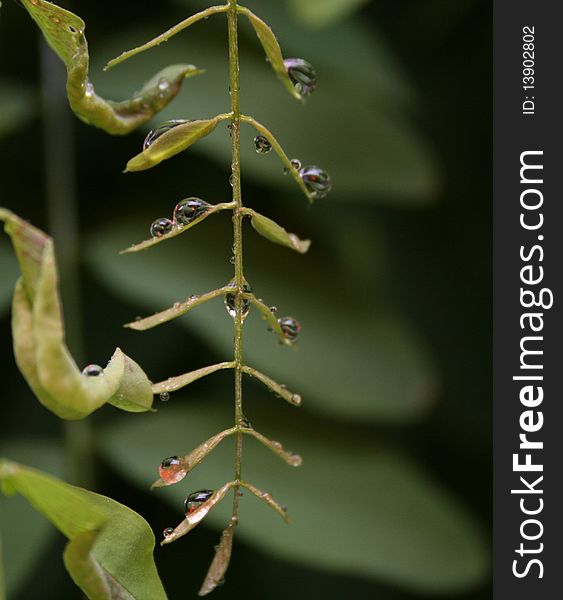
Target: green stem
58, 151
232, 18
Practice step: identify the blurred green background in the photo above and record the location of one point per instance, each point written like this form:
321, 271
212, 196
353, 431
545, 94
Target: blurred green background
393, 500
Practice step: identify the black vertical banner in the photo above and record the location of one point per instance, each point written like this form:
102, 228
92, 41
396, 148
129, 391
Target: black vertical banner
528, 299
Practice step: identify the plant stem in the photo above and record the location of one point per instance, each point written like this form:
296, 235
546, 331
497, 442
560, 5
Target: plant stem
62, 218
232, 17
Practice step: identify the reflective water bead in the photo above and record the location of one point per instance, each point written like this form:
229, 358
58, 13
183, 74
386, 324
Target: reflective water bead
155, 133
244, 422
195, 500
316, 181
161, 227
172, 469
92, 371
302, 75
164, 396
290, 327
295, 163
262, 144
189, 209
168, 532
230, 302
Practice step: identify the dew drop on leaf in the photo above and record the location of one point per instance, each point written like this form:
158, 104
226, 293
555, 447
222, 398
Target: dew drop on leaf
302, 75
316, 181
262, 144
172, 469
161, 227
290, 327
155, 133
195, 500
92, 371
230, 302
189, 209
244, 422
164, 396
295, 163
168, 532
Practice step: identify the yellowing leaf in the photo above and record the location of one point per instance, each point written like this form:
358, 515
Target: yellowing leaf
39, 341
64, 32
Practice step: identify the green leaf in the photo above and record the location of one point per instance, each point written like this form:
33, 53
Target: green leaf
39, 344
276, 233
371, 511
64, 32
175, 140
17, 106
355, 358
172, 384
24, 533
322, 13
109, 554
9, 270
271, 48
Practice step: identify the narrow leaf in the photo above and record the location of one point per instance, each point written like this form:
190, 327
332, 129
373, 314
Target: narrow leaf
276, 233
177, 310
220, 562
270, 318
110, 548
278, 389
271, 48
39, 344
174, 141
176, 230
198, 515
175, 383
64, 32
191, 460
292, 459
267, 498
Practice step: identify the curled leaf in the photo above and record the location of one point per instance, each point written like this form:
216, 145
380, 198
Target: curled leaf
64, 32
276, 233
177, 310
172, 142
175, 383
176, 230
39, 344
191, 460
292, 459
271, 48
109, 554
267, 498
278, 389
220, 562
198, 515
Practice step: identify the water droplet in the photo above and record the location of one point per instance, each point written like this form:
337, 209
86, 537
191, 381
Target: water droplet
273, 309
302, 75
176, 305
195, 500
277, 445
296, 399
232, 260
230, 302
172, 469
155, 133
164, 396
283, 507
295, 163
316, 181
163, 84
244, 422
92, 371
89, 89
168, 532
231, 180
290, 327
189, 209
161, 227
262, 144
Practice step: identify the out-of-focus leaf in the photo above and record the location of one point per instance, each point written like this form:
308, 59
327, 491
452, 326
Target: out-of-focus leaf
385, 158
39, 346
109, 554
172, 142
9, 270
17, 106
24, 533
173, 384
322, 13
276, 233
64, 32
272, 49
277, 388
371, 512
353, 359
220, 562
